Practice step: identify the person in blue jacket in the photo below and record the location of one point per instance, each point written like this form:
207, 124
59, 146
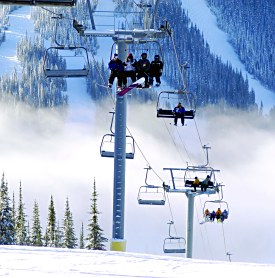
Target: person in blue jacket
117, 71
179, 113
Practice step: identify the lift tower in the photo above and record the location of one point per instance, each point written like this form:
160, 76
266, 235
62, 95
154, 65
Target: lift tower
183, 184
123, 35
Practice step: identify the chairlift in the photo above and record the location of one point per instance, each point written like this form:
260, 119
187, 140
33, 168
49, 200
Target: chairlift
151, 47
107, 146
151, 194
39, 2
182, 180
223, 205
201, 172
168, 100
174, 244
75, 62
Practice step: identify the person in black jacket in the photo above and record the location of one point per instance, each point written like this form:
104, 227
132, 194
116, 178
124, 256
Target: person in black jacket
143, 67
117, 70
156, 68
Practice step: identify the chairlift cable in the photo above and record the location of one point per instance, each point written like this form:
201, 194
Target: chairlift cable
61, 16
144, 156
98, 70
223, 232
183, 144
204, 234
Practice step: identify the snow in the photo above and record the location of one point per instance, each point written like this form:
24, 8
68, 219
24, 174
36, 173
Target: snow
19, 261
57, 155
219, 44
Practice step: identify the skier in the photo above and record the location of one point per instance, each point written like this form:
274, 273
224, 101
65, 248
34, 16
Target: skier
179, 113
117, 71
143, 67
130, 67
156, 68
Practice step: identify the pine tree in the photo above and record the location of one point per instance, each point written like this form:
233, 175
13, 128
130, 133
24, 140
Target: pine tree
68, 228
95, 236
7, 229
81, 237
28, 236
51, 226
13, 208
20, 221
59, 236
36, 230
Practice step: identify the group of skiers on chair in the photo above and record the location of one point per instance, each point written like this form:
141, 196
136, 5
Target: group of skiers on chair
219, 215
135, 70
206, 183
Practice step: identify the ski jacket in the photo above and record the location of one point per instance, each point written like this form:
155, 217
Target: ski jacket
156, 67
179, 110
130, 65
143, 65
218, 213
116, 65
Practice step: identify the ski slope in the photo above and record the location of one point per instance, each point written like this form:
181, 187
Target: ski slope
27, 262
219, 44
60, 156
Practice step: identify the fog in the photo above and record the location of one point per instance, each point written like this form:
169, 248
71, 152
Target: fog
56, 153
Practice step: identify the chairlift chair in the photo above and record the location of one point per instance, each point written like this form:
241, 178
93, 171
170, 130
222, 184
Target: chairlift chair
108, 144
39, 2
75, 64
174, 244
200, 172
151, 194
218, 203
168, 100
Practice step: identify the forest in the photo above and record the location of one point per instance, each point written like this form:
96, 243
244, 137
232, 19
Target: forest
208, 77
16, 228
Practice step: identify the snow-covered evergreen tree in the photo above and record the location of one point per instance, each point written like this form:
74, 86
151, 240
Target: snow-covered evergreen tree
7, 229
36, 230
69, 240
28, 236
95, 238
20, 221
50, 235
59, 236
81, 237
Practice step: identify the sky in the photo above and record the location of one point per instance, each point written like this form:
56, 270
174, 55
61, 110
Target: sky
56, 154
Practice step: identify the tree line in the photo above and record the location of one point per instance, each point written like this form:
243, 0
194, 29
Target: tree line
250, 25
16, 229
208, 78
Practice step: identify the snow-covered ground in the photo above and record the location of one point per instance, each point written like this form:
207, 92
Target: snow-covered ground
18, 261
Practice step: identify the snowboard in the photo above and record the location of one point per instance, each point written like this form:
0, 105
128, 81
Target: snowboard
136, 84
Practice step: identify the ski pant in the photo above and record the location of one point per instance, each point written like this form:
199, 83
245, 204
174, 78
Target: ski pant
177, 116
